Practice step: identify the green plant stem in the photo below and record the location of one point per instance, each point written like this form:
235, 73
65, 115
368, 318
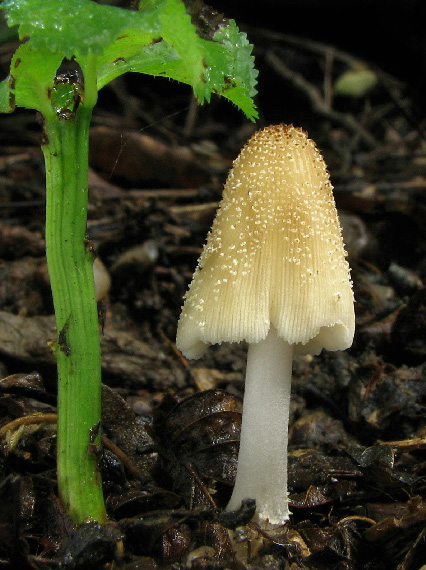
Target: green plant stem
77, 348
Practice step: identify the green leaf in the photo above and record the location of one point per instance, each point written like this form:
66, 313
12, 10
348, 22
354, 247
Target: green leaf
32, 84
126, 55
7, 97
74, 27
178, 44
160, 39
239, 76
33, 72
180, 34
355, 83
223, 65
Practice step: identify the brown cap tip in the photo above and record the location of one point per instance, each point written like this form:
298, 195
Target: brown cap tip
274, 255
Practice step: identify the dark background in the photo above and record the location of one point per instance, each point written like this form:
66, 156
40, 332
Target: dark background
387, 33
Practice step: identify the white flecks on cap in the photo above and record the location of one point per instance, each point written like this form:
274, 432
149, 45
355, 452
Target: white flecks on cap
274, 255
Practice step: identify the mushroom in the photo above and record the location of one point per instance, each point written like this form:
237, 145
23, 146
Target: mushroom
273, 273
102, 279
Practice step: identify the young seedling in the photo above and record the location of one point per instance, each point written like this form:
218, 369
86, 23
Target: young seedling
70, 50
273, 273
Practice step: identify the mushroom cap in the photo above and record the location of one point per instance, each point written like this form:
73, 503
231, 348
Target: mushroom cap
274, 254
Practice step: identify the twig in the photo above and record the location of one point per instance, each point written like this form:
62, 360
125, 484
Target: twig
28, 420
121, 456
318, 103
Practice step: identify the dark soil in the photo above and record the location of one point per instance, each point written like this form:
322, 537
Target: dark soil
358, 432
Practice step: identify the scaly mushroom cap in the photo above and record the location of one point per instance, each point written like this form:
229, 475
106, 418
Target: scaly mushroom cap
274, 255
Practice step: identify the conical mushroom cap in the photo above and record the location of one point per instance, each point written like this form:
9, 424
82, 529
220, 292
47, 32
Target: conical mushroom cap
274, 255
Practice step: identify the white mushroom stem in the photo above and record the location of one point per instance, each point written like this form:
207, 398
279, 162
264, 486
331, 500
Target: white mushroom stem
262, 459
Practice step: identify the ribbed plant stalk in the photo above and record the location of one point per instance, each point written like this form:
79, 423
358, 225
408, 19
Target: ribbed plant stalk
77, 348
